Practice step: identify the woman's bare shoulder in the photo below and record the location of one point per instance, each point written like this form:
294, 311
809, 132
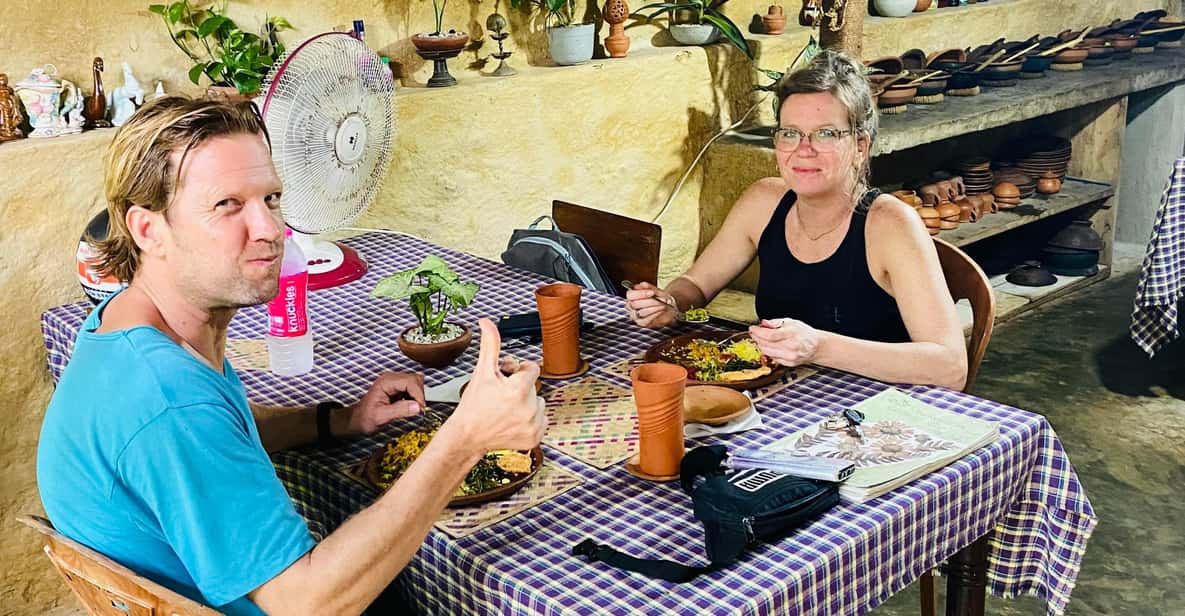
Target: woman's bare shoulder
894, 225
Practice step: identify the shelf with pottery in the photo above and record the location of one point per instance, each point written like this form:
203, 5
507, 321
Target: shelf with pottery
1074, 193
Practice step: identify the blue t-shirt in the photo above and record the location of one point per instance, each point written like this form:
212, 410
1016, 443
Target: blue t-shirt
152, 458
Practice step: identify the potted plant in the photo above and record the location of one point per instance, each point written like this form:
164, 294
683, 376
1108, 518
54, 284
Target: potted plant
439, 40
567, 43
433, 291
698, 22
233, 60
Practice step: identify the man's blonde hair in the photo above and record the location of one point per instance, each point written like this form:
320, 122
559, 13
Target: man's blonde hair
140, 169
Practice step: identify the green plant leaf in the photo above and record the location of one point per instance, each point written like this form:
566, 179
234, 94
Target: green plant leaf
211, 24
460, 294
280, 23
664, 7
400, 285
195, 73
159, 9
176, 12
436, 265
729, 30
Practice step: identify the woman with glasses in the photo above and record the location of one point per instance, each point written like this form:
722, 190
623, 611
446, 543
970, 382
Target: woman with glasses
849, 277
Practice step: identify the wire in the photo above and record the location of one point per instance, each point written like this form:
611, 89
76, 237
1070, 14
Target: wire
695, 161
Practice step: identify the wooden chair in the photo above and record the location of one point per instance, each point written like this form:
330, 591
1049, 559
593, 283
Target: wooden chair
105, 587
627, 248
966, 280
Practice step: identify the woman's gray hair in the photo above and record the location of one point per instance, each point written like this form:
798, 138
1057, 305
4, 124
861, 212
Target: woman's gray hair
840, 75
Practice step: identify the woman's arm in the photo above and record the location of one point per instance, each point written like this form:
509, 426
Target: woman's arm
726, 256
902, 251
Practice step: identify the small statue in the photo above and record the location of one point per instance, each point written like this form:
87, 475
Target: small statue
70, 118
159, 91
496, 23
10, 113
617, 43
95, 106
125, 99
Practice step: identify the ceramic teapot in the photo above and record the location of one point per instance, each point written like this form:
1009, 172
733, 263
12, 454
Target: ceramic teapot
42, 95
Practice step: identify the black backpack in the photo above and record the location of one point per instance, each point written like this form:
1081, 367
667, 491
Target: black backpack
563, 256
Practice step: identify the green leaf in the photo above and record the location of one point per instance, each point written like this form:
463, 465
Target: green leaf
729, 30
249, 85
176, 11
400, 285
195, 73
186, 33
436, 265
460, 294
159, 9
210, 25
775, 75
280, 23
214, 71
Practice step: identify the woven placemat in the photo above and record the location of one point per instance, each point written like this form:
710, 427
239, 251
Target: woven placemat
1076, 66
247, 354
894, 110
964, 92
933, 99
593, 421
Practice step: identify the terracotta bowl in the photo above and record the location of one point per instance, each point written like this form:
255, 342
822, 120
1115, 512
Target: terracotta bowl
956, 56
427, 42
1036, 64
1071, 56
897, 95
914, 59
1123, 42
889, 65
436, 355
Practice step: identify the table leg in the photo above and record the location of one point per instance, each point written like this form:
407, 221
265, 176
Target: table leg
967, 579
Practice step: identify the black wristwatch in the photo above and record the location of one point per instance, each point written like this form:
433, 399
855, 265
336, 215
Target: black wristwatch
325, 436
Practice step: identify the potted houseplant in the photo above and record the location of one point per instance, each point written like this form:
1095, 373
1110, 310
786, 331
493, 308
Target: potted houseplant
568, 43
698, 22
433, 291
233, 60
439, 39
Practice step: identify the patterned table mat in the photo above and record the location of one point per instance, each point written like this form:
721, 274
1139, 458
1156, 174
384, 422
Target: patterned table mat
247, 354
548, 483
593, 421
621, 369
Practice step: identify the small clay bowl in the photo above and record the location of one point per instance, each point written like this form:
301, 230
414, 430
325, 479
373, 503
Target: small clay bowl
1071, 56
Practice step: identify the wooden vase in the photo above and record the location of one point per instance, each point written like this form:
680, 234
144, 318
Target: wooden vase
559, 318
617, 43
658, 394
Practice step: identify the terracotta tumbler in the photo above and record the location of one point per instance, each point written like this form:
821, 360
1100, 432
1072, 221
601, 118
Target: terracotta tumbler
658, 393
559, 317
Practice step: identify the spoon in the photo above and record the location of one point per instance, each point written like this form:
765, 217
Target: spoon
1018, 54
681, 316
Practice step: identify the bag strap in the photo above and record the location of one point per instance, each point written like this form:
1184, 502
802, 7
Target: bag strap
660, 569
700, 461
535, 225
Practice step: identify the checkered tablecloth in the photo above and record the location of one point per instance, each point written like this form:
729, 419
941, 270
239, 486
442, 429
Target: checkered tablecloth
1162, 276
847, 562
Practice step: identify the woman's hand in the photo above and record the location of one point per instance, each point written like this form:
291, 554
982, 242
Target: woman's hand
788, 342
650, 306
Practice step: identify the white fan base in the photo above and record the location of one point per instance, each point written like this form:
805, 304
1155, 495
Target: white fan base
322, 256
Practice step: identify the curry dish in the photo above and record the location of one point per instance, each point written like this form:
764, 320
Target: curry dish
495, 469
707, 361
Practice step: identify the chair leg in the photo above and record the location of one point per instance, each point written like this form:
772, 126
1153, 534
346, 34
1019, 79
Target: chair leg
929, 594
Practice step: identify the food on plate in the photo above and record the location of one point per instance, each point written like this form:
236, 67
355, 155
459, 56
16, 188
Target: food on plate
697, 315
497, 468
730, 361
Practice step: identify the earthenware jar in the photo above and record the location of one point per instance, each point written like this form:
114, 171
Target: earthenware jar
1049, 183
658, 394
559, 318
774, 20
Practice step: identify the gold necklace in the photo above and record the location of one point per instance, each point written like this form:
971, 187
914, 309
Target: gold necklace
802, 226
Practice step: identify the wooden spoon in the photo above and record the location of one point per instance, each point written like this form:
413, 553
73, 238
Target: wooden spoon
991, 58
1160, 30
1018, 54
923, 78
1059, 48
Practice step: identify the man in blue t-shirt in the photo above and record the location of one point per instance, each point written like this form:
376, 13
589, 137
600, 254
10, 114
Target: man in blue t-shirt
150, 452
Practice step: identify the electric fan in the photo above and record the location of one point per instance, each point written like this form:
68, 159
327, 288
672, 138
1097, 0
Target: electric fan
328, 104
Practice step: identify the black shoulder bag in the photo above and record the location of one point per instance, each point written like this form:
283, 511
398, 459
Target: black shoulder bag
738, 509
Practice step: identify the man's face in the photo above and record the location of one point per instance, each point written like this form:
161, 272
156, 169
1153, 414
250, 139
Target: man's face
224, 238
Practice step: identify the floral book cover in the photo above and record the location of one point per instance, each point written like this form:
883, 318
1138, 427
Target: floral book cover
902, 439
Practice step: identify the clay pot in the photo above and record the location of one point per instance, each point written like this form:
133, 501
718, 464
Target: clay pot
441, 42
946, 190
559, 318
1049, 183
774, 20
968, 212
948, 214
930, 194
658, 394
987, 204
922, 5
910, 197
1006, 190
437, 354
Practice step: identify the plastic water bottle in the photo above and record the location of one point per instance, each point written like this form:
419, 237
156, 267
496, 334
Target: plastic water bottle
289, 336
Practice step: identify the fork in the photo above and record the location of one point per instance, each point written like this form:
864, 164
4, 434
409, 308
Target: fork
670, 301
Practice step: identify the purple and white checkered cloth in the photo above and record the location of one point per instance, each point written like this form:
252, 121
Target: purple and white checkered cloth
1162, 276
850, 560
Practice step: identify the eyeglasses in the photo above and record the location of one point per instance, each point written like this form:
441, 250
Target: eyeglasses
822, 140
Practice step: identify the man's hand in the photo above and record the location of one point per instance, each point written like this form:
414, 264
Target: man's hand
500, 411
392, 396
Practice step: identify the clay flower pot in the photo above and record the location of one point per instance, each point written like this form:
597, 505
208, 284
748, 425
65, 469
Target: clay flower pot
445, 41
774, 20
437, 354
559, 317
658, 394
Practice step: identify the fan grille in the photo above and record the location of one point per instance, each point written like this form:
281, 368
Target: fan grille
330, 112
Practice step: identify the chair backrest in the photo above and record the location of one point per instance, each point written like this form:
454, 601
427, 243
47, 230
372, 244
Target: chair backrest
105, 587
966, 280
627, 248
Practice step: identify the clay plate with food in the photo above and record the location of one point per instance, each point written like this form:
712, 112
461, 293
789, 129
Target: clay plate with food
718, 358
497, 475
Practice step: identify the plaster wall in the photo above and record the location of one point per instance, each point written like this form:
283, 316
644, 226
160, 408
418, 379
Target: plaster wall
470, 163
1155, 137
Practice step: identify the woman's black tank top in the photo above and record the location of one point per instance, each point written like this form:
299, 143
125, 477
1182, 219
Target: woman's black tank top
836, 294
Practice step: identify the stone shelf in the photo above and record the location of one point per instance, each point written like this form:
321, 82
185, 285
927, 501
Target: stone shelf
996, 107
1075, 192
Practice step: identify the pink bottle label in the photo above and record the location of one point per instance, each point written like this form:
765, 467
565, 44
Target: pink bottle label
286, 313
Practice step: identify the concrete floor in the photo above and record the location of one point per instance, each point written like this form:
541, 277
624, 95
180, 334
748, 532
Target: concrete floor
1121, 417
